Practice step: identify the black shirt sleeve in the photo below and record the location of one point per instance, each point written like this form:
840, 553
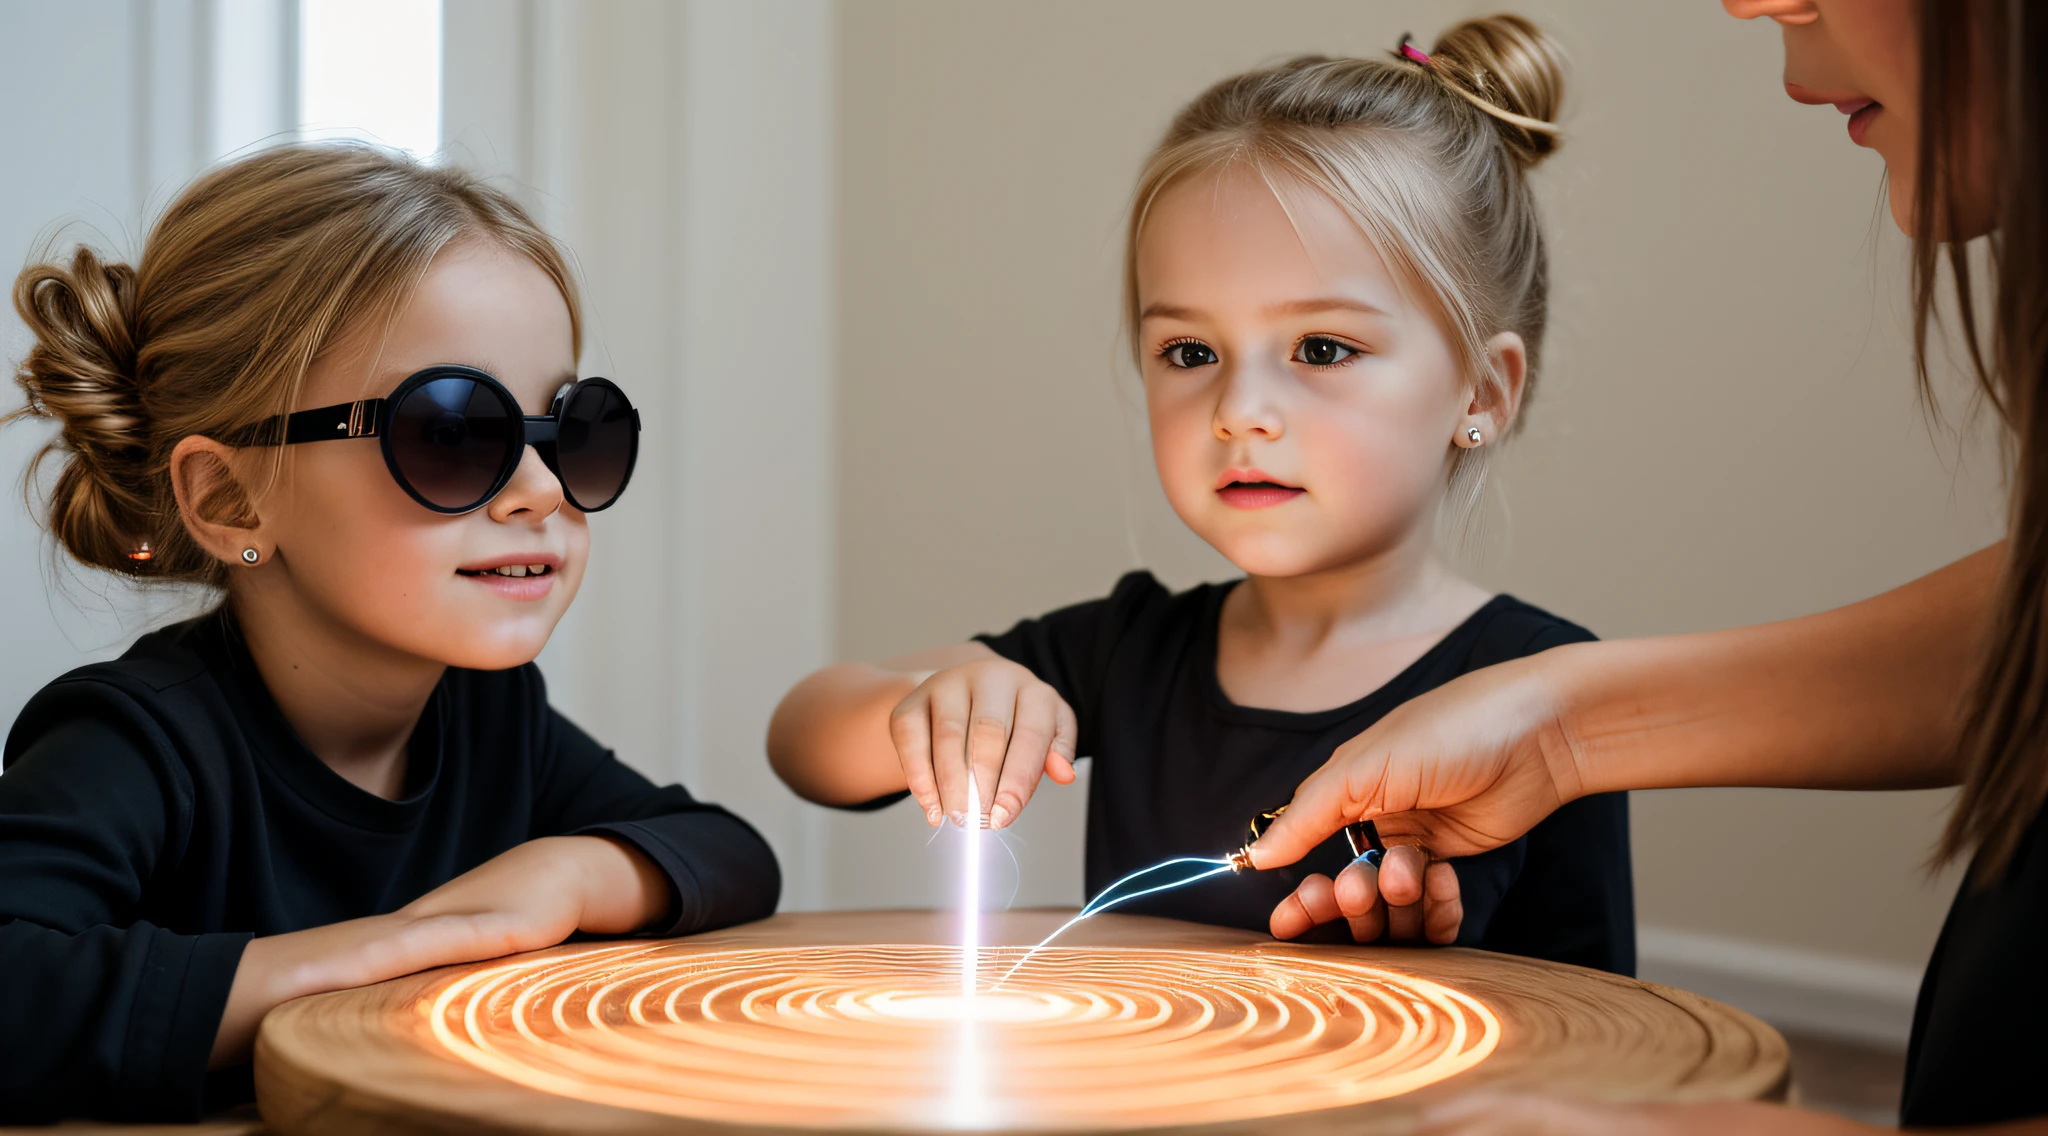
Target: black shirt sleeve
100, 1007
720, 871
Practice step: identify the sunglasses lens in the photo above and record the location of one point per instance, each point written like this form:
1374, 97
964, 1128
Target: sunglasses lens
450, 439
598, 441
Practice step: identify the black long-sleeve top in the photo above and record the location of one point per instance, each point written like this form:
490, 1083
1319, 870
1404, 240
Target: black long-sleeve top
157, 812
1180, 769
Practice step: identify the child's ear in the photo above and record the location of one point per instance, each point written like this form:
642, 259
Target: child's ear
216, 508
1494, 404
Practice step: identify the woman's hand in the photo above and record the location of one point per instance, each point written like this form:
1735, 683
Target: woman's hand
1406, 899
1462, 769
989, 715
1861, 697
532, 896
1518, 1114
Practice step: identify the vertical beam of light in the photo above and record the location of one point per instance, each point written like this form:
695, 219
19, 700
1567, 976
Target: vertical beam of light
970, 1108
970, 900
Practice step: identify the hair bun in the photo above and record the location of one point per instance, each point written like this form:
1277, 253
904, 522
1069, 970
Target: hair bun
80, 371
1509, 63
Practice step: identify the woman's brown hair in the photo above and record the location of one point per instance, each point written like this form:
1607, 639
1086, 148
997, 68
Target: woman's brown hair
1984, 111
254, 270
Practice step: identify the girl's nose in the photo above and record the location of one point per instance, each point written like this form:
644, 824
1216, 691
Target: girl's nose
1247, 409
533, 494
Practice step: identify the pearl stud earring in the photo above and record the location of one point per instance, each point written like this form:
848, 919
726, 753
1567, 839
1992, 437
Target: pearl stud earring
1472, 432
251, 556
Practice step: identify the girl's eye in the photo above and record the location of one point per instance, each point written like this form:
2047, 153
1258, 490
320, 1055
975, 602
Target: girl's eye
1320, 351
1188, 354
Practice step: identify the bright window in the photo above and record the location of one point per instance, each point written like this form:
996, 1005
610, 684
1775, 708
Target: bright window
371, 69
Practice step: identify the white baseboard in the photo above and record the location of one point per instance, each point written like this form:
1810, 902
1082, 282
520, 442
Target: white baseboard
1810, 991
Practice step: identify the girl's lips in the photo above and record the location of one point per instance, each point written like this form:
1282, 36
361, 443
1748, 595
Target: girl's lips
1239, 495
525, 588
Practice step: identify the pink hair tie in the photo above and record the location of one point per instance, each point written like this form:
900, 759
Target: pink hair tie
1413, 52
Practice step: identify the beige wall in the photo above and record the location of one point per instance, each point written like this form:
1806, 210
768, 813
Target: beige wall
1727, 431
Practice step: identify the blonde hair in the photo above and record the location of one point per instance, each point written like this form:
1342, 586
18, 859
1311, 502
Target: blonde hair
1428, 158
255, 269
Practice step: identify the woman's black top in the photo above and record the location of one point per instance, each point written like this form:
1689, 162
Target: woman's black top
1180, 770
1977, 1054
157, 812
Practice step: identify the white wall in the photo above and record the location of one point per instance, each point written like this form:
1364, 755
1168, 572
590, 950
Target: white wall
117, 105
684, 151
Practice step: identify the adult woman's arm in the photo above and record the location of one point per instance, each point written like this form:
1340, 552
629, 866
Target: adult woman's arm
1862, 697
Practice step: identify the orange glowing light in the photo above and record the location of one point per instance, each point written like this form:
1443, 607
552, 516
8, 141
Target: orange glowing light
869, 1036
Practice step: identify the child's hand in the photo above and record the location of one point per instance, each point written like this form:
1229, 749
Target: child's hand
538, 893
992, 715
1406, 899
528, 897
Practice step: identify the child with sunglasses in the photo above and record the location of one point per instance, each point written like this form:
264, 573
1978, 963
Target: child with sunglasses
313, 394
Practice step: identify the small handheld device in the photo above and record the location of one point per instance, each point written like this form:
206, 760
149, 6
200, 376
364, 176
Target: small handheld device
1362, 835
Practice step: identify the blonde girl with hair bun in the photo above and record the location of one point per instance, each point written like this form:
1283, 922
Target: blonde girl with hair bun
339, 389
1335, 289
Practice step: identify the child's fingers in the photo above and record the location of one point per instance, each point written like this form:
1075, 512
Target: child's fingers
1401, 885
1066, 741
1400, 876
1358, 889
1358, 897
910, 727
951, 703
1030, 739
991, 720
1443, 908
1313, 903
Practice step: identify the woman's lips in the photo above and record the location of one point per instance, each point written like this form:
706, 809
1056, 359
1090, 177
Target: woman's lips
1257, 494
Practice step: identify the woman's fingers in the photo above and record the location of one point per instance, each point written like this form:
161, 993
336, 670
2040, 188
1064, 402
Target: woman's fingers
1321, 805
1313, 903
1443, 908
910, 727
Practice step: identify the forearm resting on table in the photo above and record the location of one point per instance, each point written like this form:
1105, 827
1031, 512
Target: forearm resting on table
829, 739
532, 896
1866, 696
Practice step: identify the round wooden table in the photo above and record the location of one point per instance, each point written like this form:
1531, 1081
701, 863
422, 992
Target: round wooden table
855, 1021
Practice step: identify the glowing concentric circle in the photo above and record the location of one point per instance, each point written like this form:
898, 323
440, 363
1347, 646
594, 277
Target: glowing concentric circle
879, 1036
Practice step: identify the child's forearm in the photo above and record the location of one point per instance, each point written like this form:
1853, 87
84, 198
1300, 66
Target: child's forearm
829, 739
532, 896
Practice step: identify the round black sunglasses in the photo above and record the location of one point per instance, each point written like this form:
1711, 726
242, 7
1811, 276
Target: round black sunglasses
453, 435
